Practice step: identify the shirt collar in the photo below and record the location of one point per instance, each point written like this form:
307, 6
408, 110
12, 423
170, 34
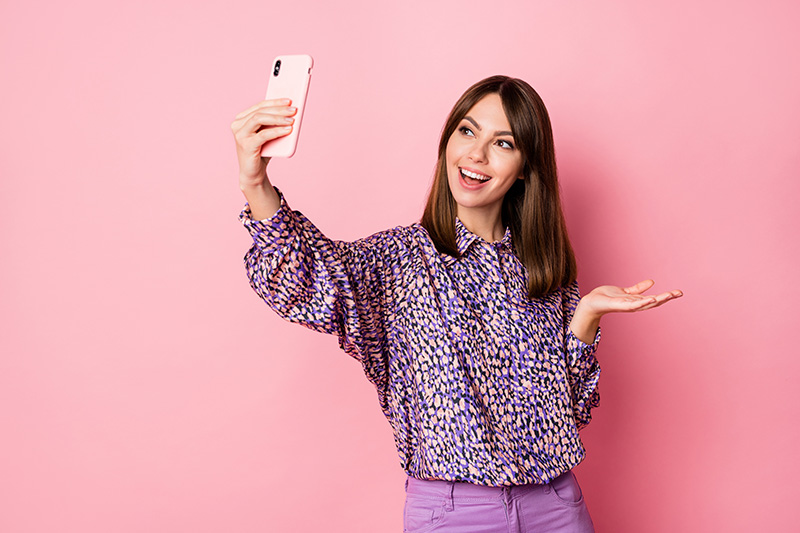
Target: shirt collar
464, 238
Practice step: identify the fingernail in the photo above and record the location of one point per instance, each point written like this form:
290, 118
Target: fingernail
288, 119
286, 128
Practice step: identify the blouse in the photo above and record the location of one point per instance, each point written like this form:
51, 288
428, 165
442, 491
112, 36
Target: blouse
479, 382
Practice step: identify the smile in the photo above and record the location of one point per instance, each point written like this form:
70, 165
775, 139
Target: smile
474, 175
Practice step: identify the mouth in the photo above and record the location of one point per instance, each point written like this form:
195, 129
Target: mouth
471, 177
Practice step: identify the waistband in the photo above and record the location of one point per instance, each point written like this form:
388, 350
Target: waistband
459, 490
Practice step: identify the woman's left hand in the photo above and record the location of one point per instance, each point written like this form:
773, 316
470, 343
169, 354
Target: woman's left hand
609, 299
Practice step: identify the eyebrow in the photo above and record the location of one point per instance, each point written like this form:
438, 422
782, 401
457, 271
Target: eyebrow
497, 133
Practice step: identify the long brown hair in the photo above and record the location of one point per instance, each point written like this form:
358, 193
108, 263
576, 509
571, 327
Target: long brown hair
532, 207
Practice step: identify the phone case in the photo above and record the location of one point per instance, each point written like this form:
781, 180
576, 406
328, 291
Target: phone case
288, 79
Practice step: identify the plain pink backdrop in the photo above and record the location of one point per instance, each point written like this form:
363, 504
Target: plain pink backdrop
144, 387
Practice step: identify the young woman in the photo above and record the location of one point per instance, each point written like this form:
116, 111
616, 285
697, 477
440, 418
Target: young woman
469, 324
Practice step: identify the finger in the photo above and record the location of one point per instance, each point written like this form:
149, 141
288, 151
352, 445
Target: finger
665, 296
661, 299
640, 304
276, 102
260, 114
252, 145
262, 121
640, 287
271, 133
280, 111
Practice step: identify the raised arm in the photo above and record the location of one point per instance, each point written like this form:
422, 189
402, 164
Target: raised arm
333, 287
251, 128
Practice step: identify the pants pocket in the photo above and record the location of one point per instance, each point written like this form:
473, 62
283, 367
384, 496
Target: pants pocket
421, 515
565, 488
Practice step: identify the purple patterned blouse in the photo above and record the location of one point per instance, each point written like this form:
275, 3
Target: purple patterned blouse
479, 383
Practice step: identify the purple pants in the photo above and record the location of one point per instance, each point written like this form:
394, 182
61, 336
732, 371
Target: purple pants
453, 507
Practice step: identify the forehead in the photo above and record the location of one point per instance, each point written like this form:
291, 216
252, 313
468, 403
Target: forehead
488, 113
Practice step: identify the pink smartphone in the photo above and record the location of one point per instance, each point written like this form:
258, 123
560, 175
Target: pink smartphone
289, 78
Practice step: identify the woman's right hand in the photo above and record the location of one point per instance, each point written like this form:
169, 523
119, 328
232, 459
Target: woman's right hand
253, 127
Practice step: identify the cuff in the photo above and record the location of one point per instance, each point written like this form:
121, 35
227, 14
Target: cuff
577, 348
270, 232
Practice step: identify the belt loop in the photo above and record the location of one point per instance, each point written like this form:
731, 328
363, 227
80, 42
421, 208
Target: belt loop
448, 506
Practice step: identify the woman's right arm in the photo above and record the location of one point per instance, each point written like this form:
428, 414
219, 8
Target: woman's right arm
333, 287
251, 128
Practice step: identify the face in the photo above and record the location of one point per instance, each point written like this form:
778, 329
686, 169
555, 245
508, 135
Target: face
482, 159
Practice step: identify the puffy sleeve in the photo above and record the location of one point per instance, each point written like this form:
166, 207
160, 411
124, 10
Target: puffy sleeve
583, 369
333, 287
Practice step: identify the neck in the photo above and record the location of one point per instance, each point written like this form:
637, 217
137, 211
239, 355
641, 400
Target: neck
485, 223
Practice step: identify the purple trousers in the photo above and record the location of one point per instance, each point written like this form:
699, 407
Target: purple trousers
454, 507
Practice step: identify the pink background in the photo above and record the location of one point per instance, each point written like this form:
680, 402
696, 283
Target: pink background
144, 387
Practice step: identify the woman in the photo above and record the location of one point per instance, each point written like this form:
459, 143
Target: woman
469, 324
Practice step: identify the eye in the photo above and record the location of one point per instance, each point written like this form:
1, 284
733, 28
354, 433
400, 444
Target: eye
502, 143
466, 131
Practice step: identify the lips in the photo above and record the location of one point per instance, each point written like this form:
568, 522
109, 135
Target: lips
472, 180
476, 176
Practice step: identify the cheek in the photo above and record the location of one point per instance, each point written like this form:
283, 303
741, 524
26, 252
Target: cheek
514, 169
450, 152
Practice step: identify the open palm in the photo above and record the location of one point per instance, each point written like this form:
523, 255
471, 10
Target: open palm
610, 299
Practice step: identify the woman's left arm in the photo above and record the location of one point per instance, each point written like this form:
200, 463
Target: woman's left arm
609, 299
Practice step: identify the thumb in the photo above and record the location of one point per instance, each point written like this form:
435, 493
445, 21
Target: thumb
640, 287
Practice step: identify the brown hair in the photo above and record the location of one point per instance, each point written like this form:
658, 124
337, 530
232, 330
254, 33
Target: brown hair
532, 207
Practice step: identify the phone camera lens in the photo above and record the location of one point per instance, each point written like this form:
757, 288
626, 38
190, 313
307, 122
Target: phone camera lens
277, 68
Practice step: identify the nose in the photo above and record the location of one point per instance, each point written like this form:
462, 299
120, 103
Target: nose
477, 152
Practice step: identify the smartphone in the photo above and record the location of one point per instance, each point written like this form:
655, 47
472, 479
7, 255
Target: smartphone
289, 78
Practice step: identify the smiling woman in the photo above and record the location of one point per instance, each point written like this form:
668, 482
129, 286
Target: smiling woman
469, 324
516, 145
482, 165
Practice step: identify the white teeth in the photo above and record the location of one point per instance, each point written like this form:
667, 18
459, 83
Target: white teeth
475, 175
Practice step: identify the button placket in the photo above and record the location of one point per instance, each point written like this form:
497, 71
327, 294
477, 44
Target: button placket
501, 303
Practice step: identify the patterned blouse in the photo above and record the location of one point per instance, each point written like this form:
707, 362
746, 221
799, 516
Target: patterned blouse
479, 382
